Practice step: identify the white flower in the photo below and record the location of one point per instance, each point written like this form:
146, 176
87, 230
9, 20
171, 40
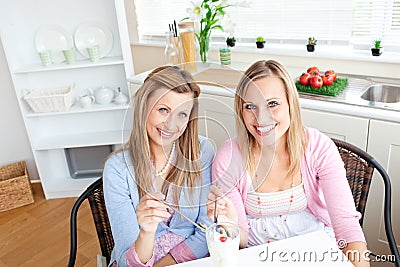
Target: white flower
208, 16
195, 12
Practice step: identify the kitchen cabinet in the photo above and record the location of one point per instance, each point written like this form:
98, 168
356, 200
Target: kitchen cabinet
343, 127
384, 146
51, 133
216, 118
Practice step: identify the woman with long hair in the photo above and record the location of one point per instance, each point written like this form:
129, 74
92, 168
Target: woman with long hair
281, 179
164, 169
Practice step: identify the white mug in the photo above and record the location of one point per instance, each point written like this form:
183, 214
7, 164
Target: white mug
86, 100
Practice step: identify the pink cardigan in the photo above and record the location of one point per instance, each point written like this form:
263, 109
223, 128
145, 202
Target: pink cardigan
324, 178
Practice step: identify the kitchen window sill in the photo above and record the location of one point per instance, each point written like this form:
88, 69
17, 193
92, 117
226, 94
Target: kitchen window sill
321, 51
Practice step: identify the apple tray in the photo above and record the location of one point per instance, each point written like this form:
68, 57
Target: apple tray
329, 90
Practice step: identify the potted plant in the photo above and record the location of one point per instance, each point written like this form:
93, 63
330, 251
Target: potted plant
260, 42
311, 44
230, 41
376, 50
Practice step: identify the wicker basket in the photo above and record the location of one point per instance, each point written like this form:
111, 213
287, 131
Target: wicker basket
15, 186
51, 99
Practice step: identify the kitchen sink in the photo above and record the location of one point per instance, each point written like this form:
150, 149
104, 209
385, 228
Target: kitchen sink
385, 93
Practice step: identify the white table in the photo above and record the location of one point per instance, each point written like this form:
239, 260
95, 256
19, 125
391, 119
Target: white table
313, 249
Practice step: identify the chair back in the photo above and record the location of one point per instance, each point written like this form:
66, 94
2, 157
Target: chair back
94, 194
359, 167
359, 173
100, 217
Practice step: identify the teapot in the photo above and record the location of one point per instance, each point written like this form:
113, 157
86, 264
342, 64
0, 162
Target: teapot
86, 100
104, 95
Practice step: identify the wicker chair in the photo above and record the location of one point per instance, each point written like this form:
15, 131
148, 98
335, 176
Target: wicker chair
359, 167
94, 194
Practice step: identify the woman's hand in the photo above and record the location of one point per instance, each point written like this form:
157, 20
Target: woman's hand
357, 252
150, 211
165, 261
226, 210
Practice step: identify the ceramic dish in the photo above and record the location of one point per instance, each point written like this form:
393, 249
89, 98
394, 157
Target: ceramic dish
54, 38
89, 34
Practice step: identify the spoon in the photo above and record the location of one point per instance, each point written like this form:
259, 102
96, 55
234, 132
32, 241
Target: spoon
215, 208
220, 228
215, 212
202, 226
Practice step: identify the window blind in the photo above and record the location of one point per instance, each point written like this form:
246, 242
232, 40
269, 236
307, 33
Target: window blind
378, 19
287, 21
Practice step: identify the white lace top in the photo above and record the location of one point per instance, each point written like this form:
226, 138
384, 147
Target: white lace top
279, 215
276, 203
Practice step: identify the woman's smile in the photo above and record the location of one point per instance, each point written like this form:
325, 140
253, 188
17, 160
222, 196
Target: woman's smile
264, 130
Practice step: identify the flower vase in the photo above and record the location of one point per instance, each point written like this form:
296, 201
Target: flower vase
204, 44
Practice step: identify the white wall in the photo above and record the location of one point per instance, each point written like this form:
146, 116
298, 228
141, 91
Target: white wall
14, 143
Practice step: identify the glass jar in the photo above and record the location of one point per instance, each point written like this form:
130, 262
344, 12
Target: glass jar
172, 50
186, 32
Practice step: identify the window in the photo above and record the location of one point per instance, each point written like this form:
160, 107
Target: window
378, 19
345, 22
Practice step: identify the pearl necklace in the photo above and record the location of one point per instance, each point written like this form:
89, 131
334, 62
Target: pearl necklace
168, 164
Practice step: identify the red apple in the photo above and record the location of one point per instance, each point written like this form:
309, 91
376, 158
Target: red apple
305, 78
328, 79
331, 72
314, 73
316, 81
313, 69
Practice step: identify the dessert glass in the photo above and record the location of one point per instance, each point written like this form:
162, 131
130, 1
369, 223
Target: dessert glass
223, 243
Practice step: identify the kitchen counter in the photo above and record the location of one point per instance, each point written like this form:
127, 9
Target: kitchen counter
218, 80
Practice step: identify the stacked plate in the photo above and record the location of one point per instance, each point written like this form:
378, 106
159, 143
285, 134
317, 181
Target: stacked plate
55, 38
90, 34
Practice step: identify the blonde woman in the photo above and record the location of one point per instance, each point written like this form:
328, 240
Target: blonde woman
165, 160
282, 179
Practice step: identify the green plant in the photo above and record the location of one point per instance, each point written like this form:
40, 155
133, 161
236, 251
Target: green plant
260, 39
377, 43
312, 41
230, 41
209, 14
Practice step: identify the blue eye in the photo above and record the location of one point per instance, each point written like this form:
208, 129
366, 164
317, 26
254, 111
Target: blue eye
273, 104
162, 110
182, 115
250, 106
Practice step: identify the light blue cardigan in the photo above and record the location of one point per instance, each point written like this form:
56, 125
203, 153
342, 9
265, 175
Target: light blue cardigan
121, 197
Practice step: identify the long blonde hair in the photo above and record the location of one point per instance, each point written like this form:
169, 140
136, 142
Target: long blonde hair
295, 140
187, 168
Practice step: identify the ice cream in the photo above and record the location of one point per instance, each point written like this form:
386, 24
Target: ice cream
223, 243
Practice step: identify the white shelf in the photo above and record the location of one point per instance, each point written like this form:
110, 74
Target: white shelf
70, 187
81, 140
77, 109
52, 132
107, 61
